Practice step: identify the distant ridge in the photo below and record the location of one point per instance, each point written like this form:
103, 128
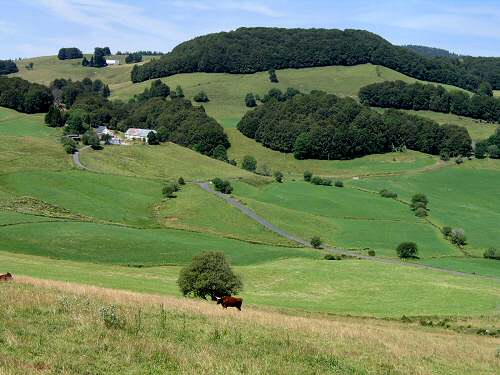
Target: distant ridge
249, 50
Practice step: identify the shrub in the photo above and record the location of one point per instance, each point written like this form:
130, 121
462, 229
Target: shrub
249, 163
209, 274
181, 181
316, 242
272, 75
446, 231
223, 186
459, 160
332, 257
407, 250
418, 205
219, 153
388, 194
458, 237
70, 147
371, 252
308, 176
316, 180
201, 97
153, 139
419, 197
264, 170
420, 212
250, 100
492, 253
339, 183
169, 190
444, 155
89, 138
278, 176
110, 317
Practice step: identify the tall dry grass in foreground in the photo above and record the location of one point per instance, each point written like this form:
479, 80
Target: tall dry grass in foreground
54, 327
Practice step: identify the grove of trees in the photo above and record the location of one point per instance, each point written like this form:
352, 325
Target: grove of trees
323, 126
133, 57
7, 67
69, 53
489, 147
98, 59
417, 96
250, 50
175, 119
24, 96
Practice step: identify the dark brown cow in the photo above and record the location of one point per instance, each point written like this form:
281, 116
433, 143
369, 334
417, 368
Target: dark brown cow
229, 301
6, 277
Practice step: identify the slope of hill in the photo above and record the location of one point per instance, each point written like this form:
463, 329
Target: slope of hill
192, 337
249, 50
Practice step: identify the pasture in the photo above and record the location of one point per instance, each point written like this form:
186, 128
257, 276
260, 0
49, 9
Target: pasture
464, 197
191, 337
344, 217
296, 285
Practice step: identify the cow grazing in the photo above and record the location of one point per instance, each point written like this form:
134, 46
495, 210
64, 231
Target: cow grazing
229, 301
6, 277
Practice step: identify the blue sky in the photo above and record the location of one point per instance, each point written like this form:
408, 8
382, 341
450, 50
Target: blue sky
41, 27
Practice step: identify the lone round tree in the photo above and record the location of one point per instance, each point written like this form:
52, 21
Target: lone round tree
407, 250
209, 274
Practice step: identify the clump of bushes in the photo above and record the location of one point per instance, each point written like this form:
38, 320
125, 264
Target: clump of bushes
388, 194
332, 257
418, 204
407, 250
278, 176
446, 231
339, 183
224, 186
308, 176
316, 180
69, 145
457, 237
181, 181
111, 318
371, 252
249, 163
201, 97
492, 253
316, 242
170, 189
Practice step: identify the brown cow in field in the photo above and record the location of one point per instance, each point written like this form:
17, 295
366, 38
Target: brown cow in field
229, 301
6, 277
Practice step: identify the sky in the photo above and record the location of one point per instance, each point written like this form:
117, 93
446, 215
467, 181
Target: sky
31, 28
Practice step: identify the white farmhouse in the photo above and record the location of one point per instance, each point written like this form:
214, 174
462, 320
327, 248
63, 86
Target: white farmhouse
113, 62
136, 133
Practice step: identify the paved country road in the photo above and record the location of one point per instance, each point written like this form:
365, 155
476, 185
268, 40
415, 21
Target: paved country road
334, 250
76, 158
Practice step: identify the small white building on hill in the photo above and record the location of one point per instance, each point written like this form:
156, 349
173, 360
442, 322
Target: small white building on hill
113, 62
136, 133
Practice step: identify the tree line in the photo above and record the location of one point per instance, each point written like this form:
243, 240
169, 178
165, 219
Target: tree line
417, 96
134, 57
98, 59
24, 96
69, 53
7, 67
143, 53
174, 118
323, 126
250, 50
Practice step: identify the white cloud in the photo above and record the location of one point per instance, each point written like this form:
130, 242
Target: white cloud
228, 5
111, 16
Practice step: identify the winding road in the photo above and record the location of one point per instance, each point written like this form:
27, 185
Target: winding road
207, 186
334, 250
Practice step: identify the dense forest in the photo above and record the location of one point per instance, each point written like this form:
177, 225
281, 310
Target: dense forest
69, 53
7, 67
174, 118
418, 96
431, 51
24, 96
324, 126
249, 50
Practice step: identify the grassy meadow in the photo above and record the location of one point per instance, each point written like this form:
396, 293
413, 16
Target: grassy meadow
296, 285
191, 337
